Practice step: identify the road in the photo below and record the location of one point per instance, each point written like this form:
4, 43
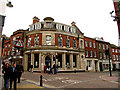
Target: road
72, 80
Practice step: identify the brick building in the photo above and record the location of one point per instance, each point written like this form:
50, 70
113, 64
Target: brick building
46, 38
115, 52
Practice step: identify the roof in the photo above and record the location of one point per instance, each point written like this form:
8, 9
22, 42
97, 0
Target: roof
48, 18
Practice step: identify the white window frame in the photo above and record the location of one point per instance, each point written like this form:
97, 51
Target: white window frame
117, 57
95, 54
60, 41
90, 44
86, 53
86, 44
74, 43
48, 39
36, 41
91, 54
94, 45
29, 42
114, 57
67, 42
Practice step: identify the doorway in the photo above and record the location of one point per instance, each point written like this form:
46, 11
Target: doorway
48, 61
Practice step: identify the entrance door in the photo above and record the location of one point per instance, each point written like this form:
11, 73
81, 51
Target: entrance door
100, 64
48, 61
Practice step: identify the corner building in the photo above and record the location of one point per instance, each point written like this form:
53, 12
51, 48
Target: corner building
48, 38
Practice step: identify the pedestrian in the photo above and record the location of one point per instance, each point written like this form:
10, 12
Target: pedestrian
6, 71
31, 68
54, 69
45, 69
19, 69
12, 74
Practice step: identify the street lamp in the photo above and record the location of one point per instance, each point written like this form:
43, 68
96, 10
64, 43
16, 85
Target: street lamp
108, 53
2, 19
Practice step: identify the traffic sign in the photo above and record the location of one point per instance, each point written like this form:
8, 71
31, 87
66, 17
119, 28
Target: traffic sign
19, 43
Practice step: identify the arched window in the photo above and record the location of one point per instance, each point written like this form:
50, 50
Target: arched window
59, 41
36, 41
29, 42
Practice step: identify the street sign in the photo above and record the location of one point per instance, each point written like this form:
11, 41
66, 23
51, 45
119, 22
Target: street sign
19, 43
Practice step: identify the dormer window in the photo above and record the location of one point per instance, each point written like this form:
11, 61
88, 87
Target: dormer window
48, 24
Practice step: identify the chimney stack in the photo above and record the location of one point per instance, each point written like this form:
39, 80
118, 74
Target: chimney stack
73, 23
35, 19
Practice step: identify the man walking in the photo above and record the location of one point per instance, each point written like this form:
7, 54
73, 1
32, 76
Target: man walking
6, 71
19, 70
12, 75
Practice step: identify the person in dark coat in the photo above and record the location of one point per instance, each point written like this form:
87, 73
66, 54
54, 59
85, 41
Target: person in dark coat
12, 74
19, 69
6, 71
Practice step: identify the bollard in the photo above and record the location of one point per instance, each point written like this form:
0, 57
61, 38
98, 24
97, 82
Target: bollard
41, 80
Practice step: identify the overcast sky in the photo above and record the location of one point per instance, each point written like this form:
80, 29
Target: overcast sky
91, 16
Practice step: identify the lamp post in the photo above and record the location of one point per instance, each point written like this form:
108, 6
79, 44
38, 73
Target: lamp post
108, 53
3, 5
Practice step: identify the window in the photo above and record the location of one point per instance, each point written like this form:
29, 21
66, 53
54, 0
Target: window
104, 55
116, 50
48, 24
90, 44
100, 55
8, 52
59, 41
74, 61
103, 46
99, 46
48, 40
29, 42
112, 50
119, 51
86, 53
106, 46
90, 53
67, 42
89, 63
117, 57
95, 54
36, 41
81, 43
74, 43
9, 45
113, 57
86, 45
94, 45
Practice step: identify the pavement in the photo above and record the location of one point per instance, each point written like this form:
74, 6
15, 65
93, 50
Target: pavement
31, 84
115, 78
26, 84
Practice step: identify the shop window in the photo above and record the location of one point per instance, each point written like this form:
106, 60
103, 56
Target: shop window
60, 60
74, 61
59, 41
68, 61
36, 60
